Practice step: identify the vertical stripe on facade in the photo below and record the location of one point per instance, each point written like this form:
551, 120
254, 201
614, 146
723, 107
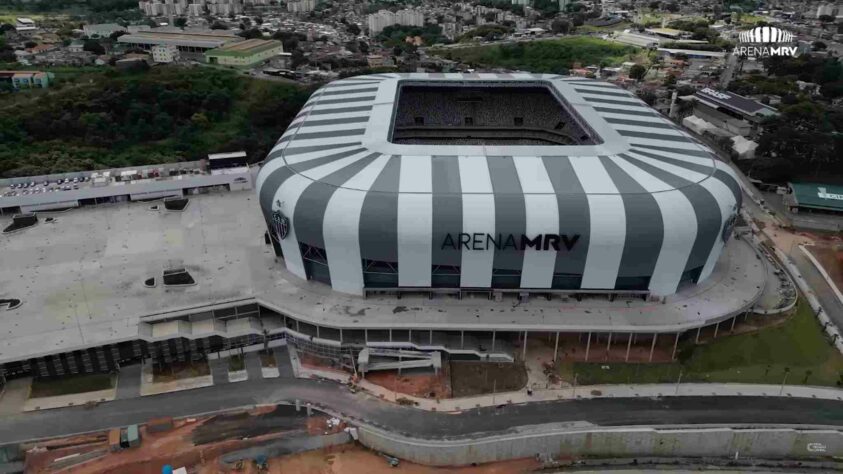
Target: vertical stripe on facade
574, 219
286, 200
607, 220
415, 221
447, 208
510, 217
679, 237
478, 216
341, 225
542, 217
379, 216
309, 214
706, 206
644, 229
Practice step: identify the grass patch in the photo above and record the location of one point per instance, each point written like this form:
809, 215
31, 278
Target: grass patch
798, 347
476, 378
546, 56
236, 363
70, 384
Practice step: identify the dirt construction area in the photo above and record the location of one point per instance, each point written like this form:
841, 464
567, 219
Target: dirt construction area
474, 378
355, 459
201, 444
831, 258
191, 442
421, 384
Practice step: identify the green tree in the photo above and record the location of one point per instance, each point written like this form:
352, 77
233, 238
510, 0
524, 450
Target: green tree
560, 26
93, 46
637, 72
180, 22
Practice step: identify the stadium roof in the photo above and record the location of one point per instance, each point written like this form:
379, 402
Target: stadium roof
818, 196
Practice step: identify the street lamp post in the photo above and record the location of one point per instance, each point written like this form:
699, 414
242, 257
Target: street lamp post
786, 371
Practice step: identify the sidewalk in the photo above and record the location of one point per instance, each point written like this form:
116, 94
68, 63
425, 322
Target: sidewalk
582, 392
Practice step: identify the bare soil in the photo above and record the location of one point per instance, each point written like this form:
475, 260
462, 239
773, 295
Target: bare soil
832, 262
476, 378
424, 385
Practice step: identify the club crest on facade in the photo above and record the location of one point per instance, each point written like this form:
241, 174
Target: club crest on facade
280, 224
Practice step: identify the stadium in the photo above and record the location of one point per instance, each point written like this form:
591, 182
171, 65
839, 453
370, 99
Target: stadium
400, 216
493, 181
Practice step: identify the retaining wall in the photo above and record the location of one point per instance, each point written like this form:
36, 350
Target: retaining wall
562, 441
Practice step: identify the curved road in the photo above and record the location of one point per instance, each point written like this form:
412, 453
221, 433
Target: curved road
417, 423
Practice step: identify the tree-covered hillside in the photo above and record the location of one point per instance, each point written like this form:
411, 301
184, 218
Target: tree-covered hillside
119, 119
550, 56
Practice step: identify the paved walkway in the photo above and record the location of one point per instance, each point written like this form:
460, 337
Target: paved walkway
282, 359
129, 382
14, 396
219, 370
253, 365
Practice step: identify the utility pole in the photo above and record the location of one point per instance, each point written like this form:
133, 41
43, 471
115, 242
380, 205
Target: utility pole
678, 381
786, 371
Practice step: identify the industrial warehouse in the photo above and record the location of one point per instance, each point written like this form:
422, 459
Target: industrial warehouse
385, 219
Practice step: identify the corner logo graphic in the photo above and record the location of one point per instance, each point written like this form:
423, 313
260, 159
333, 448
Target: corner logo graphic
823, 194
766, 41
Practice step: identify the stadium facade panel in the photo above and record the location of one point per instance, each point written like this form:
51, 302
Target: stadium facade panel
366, 190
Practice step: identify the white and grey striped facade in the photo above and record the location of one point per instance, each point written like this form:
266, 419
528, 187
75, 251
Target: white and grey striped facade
651, 206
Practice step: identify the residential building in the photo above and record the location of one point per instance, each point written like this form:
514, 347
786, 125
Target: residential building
26, 79
245, 53
301, 6
380, 20
25, 27
76, 46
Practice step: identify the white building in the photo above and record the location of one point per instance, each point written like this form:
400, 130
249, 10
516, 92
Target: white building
301, 6
197, 8
826, 9
380, 20
101, 30
165, 53
25, 26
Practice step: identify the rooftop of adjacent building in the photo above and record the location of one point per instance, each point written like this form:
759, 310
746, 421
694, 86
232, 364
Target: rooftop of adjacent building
245, 48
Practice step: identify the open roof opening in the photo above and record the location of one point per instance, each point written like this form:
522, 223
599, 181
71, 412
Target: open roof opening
485, 114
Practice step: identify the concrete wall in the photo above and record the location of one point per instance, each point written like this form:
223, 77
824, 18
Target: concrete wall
557, 441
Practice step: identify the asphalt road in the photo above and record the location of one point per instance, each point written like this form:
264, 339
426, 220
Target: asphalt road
823, 292
418, 423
